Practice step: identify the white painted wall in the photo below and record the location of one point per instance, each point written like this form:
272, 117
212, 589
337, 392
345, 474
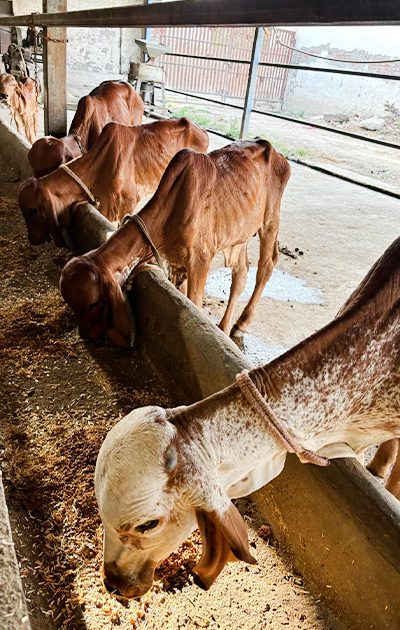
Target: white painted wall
318, 93
104, 52
93, 54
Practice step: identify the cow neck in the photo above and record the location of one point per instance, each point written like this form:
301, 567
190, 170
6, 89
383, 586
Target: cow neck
74, 144
128, 246
336, 393
124, 249
81, 167
339, 385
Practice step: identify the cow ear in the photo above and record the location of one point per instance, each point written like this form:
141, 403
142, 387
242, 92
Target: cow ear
224, 539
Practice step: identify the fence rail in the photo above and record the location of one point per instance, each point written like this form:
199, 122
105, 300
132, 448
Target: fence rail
218, 62
294, 66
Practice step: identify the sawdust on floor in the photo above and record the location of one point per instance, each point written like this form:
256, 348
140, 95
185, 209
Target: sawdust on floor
59, 397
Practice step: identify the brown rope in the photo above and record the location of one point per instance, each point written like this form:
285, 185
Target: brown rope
274, 425
141, 225
78, 141
77, 179
54, 40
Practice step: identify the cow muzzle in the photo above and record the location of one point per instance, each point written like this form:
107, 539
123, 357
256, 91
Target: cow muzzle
123, 586
88, 333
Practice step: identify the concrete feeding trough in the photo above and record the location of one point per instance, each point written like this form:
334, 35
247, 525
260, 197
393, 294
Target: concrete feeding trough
338, 526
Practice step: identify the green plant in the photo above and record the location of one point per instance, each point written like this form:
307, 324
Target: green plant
288, 151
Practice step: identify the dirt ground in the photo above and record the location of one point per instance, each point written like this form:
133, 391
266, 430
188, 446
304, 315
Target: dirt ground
58, 399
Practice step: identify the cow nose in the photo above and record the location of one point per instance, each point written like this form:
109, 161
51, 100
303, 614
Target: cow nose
111, 589
3, 96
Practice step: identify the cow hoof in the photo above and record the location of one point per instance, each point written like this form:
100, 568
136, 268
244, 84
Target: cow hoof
236, 333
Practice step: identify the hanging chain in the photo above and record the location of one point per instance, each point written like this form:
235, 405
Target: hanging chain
31, 24
35, 62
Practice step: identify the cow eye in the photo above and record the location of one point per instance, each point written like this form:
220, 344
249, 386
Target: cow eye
95, 304
148, 525
33, 211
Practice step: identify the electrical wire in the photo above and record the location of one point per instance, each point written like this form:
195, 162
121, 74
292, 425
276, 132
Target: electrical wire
303, 52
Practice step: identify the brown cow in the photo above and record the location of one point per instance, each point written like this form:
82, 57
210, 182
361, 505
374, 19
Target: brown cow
124, 165
161, 472
21, 99
204, 204
111, 101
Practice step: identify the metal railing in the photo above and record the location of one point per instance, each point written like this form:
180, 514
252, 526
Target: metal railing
250, 106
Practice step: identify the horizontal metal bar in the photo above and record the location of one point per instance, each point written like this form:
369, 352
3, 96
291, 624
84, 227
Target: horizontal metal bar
291, 119
224, 13
207, 58
292, 66
354, 73
202, 98
351, 179
308, 123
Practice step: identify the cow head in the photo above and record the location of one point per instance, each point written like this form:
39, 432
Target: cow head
47, 154
153, 488
8, 85
96, 297
38, 207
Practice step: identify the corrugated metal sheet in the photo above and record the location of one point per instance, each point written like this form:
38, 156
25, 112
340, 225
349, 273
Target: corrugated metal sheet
222, 78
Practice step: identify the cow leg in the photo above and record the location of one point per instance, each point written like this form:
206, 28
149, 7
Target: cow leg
197, 270
19, 123
393, 483
183, 287
29, 131
239, 277
269, 253
384, 458
36, 123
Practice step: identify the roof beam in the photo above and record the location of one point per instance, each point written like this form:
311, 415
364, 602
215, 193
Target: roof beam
224, 13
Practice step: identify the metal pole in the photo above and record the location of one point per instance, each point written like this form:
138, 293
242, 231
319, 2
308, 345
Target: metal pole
294, 66
55, 73
252, 81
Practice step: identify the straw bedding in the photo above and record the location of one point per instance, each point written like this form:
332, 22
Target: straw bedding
58, 399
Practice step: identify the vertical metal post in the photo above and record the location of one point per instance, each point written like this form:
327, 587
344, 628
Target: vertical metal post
55, 73
252, 80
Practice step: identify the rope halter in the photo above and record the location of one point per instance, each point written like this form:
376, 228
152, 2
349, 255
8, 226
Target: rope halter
260, 405
80, 183
142, 227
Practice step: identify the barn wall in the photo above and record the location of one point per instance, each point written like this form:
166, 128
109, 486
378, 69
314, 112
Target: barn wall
93, 54
319, 93
102, 50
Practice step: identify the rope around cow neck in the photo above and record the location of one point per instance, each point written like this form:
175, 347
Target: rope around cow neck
260, 405
78, 141
142, 227
80, 183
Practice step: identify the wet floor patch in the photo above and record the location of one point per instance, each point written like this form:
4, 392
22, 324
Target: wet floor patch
282, 286
259, 351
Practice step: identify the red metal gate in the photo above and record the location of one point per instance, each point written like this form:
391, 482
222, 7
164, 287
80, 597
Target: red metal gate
224, 79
